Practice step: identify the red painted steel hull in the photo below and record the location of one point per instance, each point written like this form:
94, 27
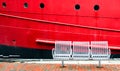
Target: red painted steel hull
38, 28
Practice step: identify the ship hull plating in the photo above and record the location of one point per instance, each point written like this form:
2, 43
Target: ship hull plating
37, 24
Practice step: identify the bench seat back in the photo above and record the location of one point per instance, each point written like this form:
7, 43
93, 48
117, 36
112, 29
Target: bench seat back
81, 50
100, 50
62, 50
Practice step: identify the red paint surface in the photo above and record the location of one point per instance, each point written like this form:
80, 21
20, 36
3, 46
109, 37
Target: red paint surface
59, 20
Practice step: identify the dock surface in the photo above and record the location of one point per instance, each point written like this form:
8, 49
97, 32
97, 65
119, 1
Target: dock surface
51, 65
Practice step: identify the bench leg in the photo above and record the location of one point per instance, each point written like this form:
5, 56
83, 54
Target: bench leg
63, 63
99, 65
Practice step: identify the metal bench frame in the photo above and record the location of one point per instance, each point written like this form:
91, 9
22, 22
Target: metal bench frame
100, 51
57, 52
90, 48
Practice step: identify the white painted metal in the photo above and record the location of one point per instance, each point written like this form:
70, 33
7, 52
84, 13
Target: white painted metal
62, 50
81, 50
100, 50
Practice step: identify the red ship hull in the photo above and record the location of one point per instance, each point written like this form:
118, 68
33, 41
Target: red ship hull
28, 26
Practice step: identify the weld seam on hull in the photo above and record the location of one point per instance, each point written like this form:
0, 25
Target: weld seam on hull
60, 23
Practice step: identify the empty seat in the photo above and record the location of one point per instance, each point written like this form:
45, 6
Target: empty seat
100, 50
81, 50
62, 50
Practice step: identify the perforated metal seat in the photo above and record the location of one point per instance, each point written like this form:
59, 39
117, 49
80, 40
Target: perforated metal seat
62, 50
100, 50
81, 50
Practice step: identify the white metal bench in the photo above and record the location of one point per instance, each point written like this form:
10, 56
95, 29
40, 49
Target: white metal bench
62, 51
81, 51
97, 50
100, 51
